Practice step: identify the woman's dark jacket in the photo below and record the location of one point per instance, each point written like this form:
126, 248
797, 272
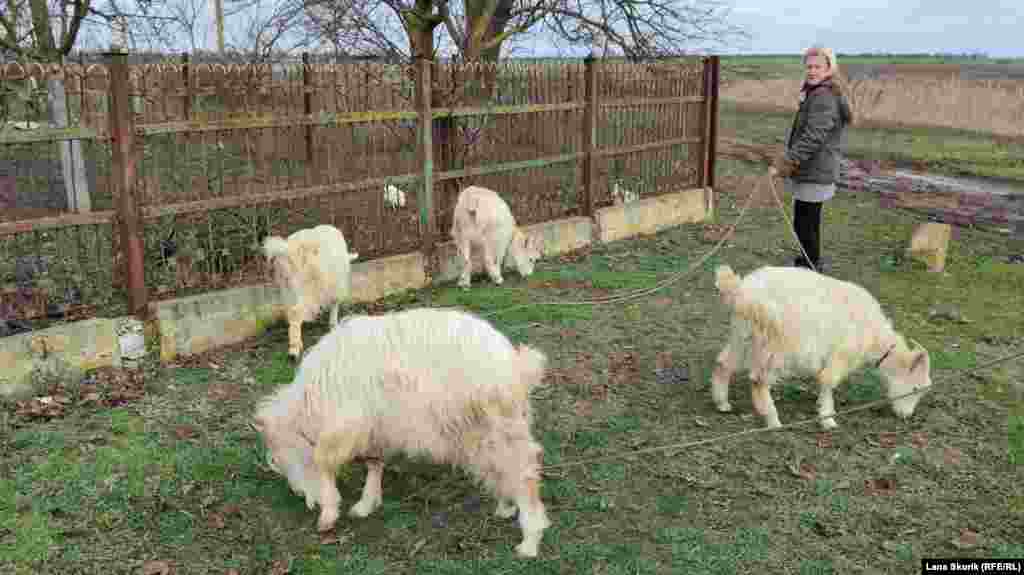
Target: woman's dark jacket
818, 133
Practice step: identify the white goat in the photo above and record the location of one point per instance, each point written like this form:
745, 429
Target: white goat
482, 219
793, 320
439, 383
394, 196
313, 269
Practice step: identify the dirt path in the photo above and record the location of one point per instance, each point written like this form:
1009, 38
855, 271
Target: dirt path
959, 201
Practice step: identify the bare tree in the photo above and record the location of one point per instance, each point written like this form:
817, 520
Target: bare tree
478, 29
189, 17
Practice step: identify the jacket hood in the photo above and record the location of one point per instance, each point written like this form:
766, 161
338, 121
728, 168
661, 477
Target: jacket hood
845, 112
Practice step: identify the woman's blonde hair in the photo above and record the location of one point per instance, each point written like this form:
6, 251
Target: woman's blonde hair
837, 80
830, 58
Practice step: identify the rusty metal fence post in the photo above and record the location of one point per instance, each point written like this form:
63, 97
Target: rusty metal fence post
710, 143
307, 109
186, 78
425, 153
590, 115
713, 138
123, 157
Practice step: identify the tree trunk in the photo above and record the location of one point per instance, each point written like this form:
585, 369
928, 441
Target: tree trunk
46, 48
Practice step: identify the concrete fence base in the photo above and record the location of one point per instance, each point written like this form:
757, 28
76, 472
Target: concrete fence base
207, 321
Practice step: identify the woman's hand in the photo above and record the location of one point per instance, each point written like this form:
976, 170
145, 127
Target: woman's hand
783, 167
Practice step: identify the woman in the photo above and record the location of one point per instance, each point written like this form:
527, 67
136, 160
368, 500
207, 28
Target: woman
810, 162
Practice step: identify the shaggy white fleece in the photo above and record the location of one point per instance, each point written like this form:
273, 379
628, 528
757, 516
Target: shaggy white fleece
789, 320
430, 382
484, 221
313, 269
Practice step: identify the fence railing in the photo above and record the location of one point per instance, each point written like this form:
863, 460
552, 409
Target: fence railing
192, 165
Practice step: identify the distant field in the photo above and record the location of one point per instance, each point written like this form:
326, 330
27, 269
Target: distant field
961, 116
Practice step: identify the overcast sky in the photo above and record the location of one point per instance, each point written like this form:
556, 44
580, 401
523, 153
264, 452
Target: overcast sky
788, 26
994, 27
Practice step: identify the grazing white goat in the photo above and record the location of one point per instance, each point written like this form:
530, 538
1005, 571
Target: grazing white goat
313, 269
793, 320
483, 220
394, 196
438, 383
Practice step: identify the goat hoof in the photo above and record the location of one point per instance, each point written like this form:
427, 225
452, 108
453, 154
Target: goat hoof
526, 550
364, 508
829, 424
724, 407
506, 510
327, 521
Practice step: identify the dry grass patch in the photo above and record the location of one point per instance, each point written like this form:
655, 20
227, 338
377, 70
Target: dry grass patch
984, 105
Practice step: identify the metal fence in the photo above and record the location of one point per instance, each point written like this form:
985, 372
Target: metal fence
179, 170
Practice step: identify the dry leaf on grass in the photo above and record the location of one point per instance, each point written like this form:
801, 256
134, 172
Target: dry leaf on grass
280, 567
804, 470
967, 540
663, 301
952, 456
600, 391
215, 521
663, 360
887, 439
183, 432
713, 233
825, 440
156, 568
880, 486
919, 439
224, 391
583, 408
622, 367
231, 509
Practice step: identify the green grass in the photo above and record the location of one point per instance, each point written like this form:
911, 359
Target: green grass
179, 476
940, 150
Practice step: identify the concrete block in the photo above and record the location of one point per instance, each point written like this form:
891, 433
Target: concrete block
62, 351
206, 321
375, 279
560, 236
651, 215
930, 244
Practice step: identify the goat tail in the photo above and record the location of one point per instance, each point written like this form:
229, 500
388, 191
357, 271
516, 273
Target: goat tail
275, 246
532, 363
727, 282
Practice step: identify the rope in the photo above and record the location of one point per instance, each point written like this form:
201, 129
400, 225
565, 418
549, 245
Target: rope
637, 294
782, 208
730, 436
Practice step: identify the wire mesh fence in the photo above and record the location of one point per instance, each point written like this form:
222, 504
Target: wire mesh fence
220, 155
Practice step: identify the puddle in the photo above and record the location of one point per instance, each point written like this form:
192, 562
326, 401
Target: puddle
955, 200
963, 184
